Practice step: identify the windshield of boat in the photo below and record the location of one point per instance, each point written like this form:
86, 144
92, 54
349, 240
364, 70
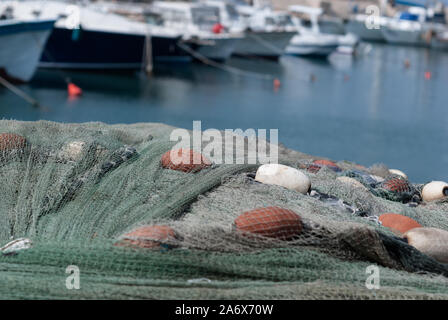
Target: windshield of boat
269, 21
279, 21
284, 21
154, 18
232, 12
205, 17
7, 14
174, 16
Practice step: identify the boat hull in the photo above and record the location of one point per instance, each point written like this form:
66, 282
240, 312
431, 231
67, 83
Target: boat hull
359, 28
87, 49
404, 37
310, 44
311, 50
22, 44
218, 49
439, 43
264, 44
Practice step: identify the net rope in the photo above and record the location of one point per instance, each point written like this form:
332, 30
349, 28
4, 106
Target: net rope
76, 189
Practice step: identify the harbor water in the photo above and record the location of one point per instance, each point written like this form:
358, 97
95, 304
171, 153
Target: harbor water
387, 106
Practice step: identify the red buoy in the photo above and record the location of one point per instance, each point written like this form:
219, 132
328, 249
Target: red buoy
407, 64
73, 90
277, 83
217, 28
428, 75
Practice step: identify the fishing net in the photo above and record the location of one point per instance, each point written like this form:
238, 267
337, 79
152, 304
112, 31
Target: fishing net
79, 191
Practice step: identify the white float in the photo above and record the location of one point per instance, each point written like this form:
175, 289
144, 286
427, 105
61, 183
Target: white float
435, 190
73, 151
398, 173
431, 241
350, 181
284, 176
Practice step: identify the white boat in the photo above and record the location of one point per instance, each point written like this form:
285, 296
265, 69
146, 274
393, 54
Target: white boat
309, 41
201, 27
332, 25
439, 39
267, 33
348, 44
367, 30
310, 45
22, 43
407, 28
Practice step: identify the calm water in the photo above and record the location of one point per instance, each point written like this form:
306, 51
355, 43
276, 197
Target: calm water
368, 110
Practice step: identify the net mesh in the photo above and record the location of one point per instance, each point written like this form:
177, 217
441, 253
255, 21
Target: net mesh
77, 190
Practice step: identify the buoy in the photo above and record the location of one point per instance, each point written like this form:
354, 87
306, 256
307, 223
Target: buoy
327, 163
398, 173
185, 160
73, 150
435, 190
217, 28
398, 223
11, 141
313, 77
73, 90
396, 184
428, 75
324, 162
150, 237
407, 63
272, 222
313, 168
346, 77
431, 241
284, 176
351, 181
276, 83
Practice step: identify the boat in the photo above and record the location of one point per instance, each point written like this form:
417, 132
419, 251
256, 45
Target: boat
332, 25
267, 33
439, 39
407, 28
86, 38
358, 25
368, 27
22, 43
309, 41
200, 26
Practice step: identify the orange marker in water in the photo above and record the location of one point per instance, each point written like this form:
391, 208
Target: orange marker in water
428, 75
277, 83
407, 63
73, 90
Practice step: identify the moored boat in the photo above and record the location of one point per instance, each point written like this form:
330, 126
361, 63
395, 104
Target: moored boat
407, 28
22, 43
201, 28
267, 32
310, 41
367, 30
86, 38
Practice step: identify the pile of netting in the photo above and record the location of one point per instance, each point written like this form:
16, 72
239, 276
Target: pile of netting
74, 190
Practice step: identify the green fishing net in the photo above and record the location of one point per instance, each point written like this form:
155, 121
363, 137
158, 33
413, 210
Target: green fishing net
76, 189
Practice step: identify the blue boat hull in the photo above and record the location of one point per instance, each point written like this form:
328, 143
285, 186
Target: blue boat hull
85, 49
21, 46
